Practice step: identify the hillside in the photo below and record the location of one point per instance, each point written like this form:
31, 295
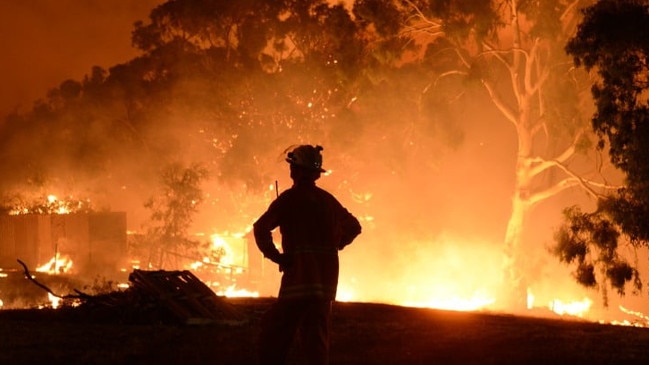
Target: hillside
363, 333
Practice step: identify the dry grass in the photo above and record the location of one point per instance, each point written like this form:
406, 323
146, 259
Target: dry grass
362, 334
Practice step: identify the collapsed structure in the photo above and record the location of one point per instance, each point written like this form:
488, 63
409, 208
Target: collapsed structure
95, 242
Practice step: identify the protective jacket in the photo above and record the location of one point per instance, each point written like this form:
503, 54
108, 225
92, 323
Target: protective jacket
314, 226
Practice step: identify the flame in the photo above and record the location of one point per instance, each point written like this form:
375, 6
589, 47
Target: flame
61, 208
641, 321
54, 300
233, 292
59, 264
635, 313
2, 275
50, 204
479, 300
574, 308
219, 244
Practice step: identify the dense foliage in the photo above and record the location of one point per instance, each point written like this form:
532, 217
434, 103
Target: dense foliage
613, 40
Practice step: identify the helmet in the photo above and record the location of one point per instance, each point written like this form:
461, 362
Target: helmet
306, 156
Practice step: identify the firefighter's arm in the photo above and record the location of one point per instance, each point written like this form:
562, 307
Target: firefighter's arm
350, 228
262, 230
264, 239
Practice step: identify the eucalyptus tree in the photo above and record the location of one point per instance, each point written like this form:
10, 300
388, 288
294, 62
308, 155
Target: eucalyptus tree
613, 42
513, 52
245, 66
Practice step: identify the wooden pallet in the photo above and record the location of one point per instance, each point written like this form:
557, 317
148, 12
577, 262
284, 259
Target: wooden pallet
185, 296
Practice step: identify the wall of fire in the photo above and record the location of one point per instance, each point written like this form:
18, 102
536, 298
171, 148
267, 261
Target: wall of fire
95, 242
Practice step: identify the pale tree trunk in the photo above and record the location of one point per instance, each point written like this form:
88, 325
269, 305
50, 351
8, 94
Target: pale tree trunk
521, 117
528, 77
514, 279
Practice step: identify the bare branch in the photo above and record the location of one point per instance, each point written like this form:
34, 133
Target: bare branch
500, 104
573, 180
530, 86
529, 64
569, 9
513, 72
544, 164
428, 25
556, 189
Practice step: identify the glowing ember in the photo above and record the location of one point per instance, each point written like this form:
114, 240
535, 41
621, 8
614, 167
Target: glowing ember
59, 264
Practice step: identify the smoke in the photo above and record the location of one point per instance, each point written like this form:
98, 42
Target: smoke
434, 200
47, 41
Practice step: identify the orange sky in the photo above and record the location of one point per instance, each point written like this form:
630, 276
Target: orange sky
45, 42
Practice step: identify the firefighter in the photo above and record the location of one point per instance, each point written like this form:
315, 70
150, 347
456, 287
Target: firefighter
314, 226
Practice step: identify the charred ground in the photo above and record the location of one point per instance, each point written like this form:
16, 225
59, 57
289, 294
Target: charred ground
363, 333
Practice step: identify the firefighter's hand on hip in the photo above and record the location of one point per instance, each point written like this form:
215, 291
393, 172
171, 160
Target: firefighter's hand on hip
285, 261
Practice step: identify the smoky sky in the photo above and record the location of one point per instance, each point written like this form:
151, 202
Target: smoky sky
44, 42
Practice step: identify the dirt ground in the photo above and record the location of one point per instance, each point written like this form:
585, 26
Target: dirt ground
363, 333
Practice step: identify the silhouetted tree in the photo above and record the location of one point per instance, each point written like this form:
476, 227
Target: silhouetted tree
172, 211
613, 40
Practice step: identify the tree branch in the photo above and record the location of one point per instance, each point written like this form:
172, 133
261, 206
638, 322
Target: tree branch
573, 180
556, 189
500, 104
544, 164
428, 24
31, 278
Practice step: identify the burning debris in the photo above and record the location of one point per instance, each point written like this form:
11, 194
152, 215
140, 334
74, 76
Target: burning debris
173, 297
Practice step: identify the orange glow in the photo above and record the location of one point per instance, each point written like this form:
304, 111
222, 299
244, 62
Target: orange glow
447, 273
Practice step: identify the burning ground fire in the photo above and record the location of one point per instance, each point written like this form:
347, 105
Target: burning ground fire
447, 282
441, 275
227, 261
450, 286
